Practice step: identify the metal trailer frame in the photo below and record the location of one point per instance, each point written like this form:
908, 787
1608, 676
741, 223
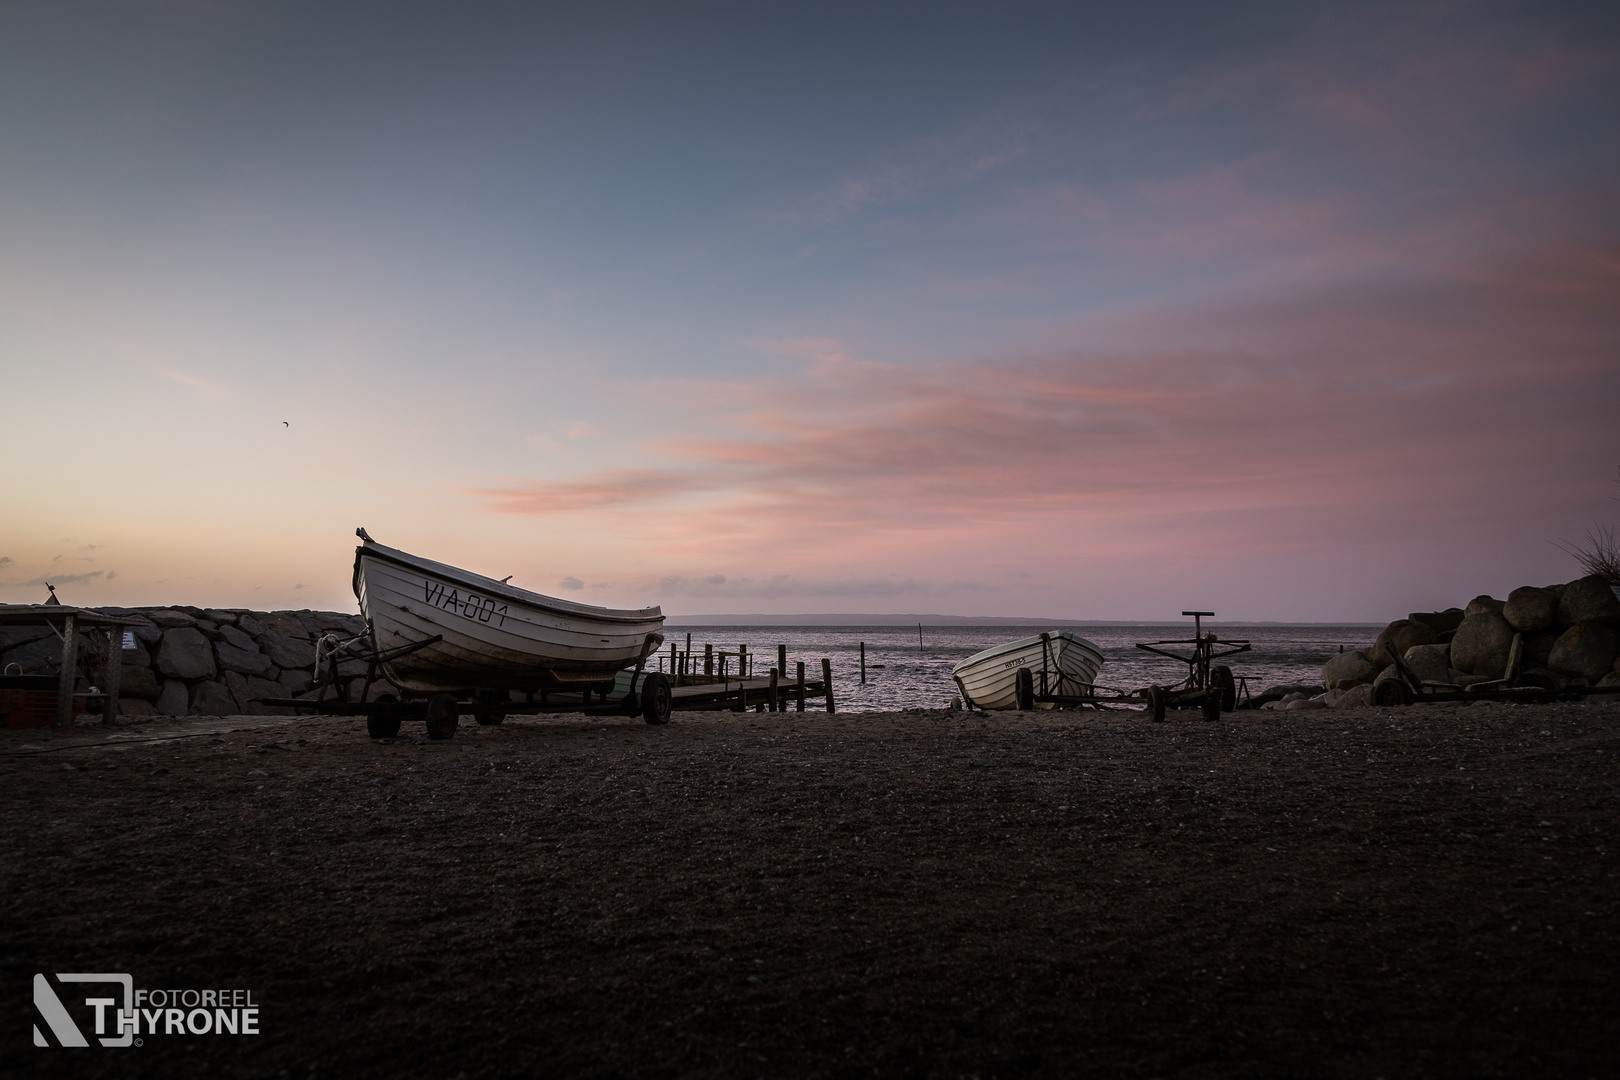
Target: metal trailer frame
1209, 686
1514, 685
649, 695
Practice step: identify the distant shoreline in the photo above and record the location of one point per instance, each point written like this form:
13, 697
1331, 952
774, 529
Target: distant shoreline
961, 620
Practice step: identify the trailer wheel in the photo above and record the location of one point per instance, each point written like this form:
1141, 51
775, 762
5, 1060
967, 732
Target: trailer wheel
1156, 703
1024, 689
443, 714
382, 727
1211, 705
489, 709
1220, 678
1392, 692
656, 699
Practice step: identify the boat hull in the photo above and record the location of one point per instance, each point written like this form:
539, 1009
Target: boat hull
494, 636
989, 679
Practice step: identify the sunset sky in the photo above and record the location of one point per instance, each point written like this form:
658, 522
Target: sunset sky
1285, 311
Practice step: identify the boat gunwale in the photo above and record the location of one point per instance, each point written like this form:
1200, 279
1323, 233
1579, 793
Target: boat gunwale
1032, 641
537, 601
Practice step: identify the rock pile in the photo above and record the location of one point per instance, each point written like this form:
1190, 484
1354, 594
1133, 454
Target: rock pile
189, 661
1569, 636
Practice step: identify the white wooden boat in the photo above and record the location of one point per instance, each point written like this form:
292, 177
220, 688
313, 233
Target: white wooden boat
1060, 662
493, 636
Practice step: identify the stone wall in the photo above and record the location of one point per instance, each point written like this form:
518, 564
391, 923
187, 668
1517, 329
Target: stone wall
1569, 636
191, 661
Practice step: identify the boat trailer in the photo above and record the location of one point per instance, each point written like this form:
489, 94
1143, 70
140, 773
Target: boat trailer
630, 693
1208, 686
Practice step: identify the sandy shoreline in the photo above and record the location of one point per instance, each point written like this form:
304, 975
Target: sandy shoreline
1363, 892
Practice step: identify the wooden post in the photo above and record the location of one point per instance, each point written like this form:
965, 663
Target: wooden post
919, 637
800, 679
771, 697
863, 663
70, 670
113, 673
674, 663
742, 696
781, 659
742, 661
708, 661
826, 682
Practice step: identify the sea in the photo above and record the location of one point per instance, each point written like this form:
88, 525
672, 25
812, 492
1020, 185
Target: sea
905, 670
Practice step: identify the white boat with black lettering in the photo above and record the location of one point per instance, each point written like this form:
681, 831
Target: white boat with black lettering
491, 635
1054, 665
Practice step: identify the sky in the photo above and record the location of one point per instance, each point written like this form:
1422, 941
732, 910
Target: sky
1301, 312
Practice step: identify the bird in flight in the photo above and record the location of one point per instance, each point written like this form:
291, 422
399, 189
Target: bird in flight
285, 424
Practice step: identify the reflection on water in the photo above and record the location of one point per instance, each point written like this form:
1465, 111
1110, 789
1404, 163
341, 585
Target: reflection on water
900, 675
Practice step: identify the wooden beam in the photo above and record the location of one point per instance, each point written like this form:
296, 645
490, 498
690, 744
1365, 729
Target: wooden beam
113, 673
70, 671
826, 682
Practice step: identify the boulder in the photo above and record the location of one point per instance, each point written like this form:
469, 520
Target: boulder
136, 707
138, 682
1357, 697
1538, 647
1588, 600
170, 619
40, 657
1480, 605
1441, 622
147, 632
1403, 634
251, 625
1530, 610
1482, 644
1611, 679
1305, 703
1430, 663
209, 698
218, 617
174, 700
136, 657
246, 689
287, 652
1348, 669
1465, 680
13, 636
186, 654
285, 621
237, 639
1587, 650
240, 660
294, 681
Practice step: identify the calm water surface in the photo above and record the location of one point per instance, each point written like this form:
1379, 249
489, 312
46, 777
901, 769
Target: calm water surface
900, 675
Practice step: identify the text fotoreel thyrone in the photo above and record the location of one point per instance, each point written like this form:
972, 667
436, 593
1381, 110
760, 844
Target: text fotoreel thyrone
117, 1014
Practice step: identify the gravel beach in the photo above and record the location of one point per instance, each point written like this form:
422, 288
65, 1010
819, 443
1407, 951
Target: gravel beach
1427, 891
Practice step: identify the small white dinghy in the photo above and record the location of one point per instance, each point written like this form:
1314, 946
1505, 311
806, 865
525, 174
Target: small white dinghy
1059, 663
492, 636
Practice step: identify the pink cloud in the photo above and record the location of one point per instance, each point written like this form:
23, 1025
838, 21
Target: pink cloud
1388, 423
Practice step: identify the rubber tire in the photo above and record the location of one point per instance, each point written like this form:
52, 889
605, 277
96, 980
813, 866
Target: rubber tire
1211, 705
1392, 692
382, 727
1024, 690
489, 710
657, 700
1220, 677
443, 715
1156, 703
